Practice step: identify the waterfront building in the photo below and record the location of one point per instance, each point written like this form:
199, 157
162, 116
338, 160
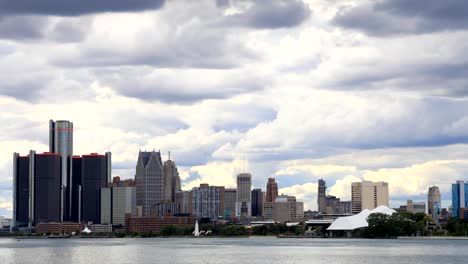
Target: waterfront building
322, 197
21, 190
37, 190
368, 195
184, 202
257, 202
208, 202
154, 223
284, 209
149, 181
271, 190
77, 178
334, 205
459, 198
243, 201
59, 228
434, 203
96, 174
230, 198
61, 142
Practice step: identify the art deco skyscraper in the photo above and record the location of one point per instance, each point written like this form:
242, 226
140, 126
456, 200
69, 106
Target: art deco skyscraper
149, 181
171, 180
271, 190
61, 142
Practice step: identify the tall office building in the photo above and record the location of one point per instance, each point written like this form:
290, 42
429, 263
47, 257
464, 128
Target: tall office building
208, 201
271, 190
243, 203
171, 180
257, 202
61, 142
321, 197
77, 175
460, 199
21, 190
96, 174
149, 180
368, 195
434, 203
116, 202
184, 202
230, 198
37, 192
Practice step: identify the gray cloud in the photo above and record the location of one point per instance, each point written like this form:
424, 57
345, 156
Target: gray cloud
22, 27
75, 8
183, 86
390, 17
271, 14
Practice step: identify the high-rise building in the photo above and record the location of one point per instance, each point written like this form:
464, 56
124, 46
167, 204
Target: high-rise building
230, 198
47, 192
208, 201
61, 142
271, 190
171, 180
459, 199
21, 190
149, 180
368, 195
434, 203
116, 203
244, 187
184, 202
321, 197
257, 202
96, 174
77, 175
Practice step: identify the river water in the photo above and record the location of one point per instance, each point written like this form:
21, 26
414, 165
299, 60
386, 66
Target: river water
231, 250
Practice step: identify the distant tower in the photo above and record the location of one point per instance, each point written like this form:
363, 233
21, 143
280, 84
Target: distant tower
171, 180
149, 180
433, 203
322, 197
257, 202
61, 142
271, 190
244, 188
460, 199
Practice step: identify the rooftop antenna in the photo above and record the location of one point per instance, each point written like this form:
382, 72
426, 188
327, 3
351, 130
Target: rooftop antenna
169, 155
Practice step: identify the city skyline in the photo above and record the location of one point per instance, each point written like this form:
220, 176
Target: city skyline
294, 90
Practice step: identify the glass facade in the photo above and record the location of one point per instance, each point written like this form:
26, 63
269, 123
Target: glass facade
459, 197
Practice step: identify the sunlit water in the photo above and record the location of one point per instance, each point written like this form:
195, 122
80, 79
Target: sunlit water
230, 250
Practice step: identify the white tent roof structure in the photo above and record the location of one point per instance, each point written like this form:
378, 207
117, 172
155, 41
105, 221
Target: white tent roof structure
359, 220
86, 230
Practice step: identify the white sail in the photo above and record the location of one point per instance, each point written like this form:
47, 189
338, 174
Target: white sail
196, 232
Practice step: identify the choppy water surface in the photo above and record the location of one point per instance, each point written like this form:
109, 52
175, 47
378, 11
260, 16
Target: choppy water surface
230, 250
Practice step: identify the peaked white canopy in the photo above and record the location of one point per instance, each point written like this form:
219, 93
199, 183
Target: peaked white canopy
359, 220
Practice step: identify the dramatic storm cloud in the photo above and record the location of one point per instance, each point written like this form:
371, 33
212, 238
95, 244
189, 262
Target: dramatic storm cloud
297, 90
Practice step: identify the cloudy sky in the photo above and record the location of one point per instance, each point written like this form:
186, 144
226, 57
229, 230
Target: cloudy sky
334, 89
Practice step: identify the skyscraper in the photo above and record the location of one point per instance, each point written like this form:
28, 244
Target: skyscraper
61, 142
271, 190
434, 203
149, 180
321, 197
21, 190
96, 174
171, 180
257, 202
368, 195
244, 187
459, 199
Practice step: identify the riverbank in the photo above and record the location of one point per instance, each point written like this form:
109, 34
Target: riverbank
434, 238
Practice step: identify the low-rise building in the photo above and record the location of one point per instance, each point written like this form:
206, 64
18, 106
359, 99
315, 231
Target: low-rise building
154, 223
284, 209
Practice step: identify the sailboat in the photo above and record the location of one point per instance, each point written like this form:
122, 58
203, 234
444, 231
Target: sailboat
196, 233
